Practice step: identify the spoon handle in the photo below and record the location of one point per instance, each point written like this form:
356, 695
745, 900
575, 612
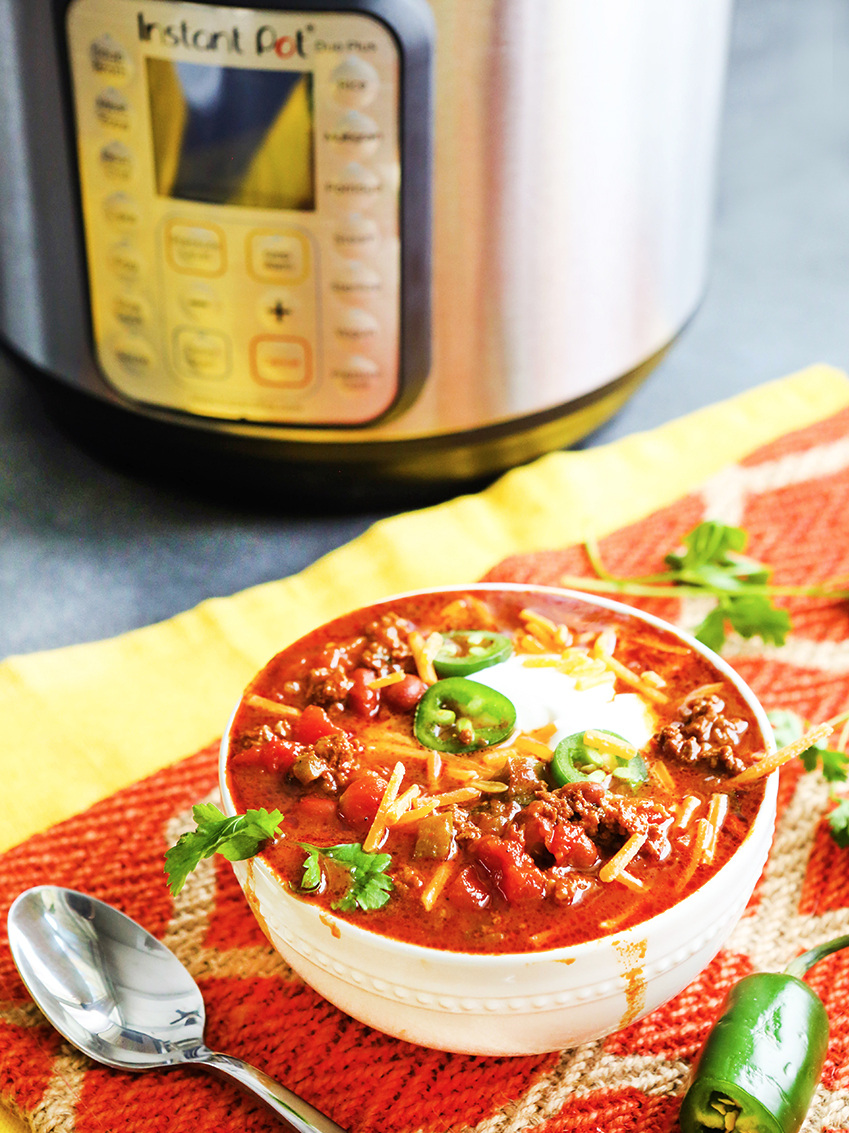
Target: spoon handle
298, 1114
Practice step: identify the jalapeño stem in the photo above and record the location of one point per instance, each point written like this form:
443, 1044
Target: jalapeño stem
800, 965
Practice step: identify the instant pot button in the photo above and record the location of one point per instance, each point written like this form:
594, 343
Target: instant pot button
122, 211
355, 185
135, 355
277, 308
278, 257
195, 249
112, 108
285, 363
202, 353
125, 262
355, 374
356, 235
110, 59
116, 161
355, 328
132, 312
353, 282
201, 303
355, 136
354, 82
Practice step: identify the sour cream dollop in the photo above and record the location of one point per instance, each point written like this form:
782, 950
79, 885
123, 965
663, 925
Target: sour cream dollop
542, 694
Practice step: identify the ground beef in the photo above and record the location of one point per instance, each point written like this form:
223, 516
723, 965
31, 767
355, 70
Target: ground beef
704, 733
523, 780
329, 682
333, 760
609, 819
387, 645
465, 827
568, 887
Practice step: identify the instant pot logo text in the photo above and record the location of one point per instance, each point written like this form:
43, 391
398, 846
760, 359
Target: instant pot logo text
301, 43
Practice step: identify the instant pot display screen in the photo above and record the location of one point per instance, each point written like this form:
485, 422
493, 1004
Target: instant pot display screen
230, 136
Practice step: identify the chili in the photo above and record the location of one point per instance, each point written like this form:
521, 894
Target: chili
468, 651
575, 761
762, 1060
457, 715
330, 763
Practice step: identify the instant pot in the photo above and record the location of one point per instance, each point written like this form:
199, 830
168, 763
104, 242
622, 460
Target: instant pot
408, 241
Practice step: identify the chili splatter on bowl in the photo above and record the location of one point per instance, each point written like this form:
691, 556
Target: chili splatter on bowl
497, 770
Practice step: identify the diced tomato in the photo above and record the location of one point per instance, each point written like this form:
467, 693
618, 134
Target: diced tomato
570, 845
361, 798
536, 835
363, 700
312, 724
317, 808
512, 870
271, 755
468, 891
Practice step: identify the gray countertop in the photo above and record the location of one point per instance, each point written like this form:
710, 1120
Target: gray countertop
88, 551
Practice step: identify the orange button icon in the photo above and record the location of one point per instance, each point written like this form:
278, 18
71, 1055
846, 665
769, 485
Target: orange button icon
283, 362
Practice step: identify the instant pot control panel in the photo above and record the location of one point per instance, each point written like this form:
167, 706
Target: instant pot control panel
255, 207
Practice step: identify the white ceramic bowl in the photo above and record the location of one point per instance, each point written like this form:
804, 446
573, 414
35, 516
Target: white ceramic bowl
514, 1004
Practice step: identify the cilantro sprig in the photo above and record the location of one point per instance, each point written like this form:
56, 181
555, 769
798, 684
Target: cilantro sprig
368, 887
832, 764
712, 564
236, 837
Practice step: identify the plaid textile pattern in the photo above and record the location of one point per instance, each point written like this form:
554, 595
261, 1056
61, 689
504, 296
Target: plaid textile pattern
792, 497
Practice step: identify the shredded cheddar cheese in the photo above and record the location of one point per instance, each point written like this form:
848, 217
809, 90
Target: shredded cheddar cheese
390, 679
703, 836
288, 711
440, 878
609, 745
402, 804
717, 812
662, 776
424, 652
612, 870
686, 809
378, 826
429, 805
527, 745
633, 679
434, 769
770, 763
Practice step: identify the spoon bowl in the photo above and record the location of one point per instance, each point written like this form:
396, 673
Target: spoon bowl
120, 996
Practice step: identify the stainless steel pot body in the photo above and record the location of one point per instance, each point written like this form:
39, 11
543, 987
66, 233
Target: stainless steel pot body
569, 196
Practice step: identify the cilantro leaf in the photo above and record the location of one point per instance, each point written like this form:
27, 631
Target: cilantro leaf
749, 615
787, 726
711, 632
709, 542
838, 820
369, 886
236, 837
754, 614
835, 764
712, 564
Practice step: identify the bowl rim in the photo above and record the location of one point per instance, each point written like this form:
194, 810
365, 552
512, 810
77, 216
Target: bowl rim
761, 827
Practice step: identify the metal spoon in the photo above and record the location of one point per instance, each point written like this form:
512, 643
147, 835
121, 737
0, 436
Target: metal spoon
123, 998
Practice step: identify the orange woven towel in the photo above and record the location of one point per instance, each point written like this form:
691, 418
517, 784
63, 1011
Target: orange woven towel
792, 497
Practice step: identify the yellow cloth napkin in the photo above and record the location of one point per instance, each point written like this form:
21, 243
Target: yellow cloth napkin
81, 722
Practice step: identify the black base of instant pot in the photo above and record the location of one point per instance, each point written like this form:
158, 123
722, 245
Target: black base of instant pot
224, 464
